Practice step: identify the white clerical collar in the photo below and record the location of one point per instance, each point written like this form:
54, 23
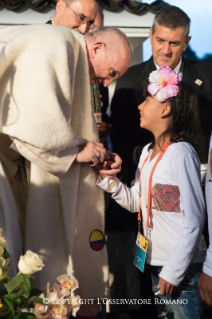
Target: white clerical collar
52, 21
176, 69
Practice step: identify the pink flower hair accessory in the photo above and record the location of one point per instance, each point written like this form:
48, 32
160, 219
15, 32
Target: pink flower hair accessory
163, 83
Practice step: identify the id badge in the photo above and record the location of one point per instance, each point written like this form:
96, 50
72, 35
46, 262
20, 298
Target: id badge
140, 251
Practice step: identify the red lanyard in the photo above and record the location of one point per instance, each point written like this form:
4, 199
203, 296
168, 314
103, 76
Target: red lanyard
150, 183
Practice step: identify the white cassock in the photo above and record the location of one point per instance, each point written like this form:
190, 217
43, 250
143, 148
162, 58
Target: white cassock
46, 110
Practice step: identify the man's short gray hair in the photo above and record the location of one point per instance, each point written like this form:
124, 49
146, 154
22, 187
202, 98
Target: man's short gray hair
172, 17
70, 1
110, 31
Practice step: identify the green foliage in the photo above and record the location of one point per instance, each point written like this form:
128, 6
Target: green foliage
14, 283
18, 293
6, 254
36, 299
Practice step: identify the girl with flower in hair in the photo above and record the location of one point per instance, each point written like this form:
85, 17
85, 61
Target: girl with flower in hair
171, 199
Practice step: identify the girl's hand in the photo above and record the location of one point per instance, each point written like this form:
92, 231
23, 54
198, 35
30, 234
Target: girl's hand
165, 287
115, 160
106, 170
103, 168
111, 166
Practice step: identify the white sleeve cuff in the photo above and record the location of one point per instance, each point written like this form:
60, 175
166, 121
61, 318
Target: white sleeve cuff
207, 266
169, 278
207, 270
108, 185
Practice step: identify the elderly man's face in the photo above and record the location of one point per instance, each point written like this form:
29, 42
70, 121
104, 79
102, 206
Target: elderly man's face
168, 45
78, 15
108, 65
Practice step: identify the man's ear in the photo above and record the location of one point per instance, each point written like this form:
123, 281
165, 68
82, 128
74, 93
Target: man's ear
186, 43
165, 110
96, 49
150, 35
60, 6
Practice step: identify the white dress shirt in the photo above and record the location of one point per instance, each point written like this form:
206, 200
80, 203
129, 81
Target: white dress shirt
178, 69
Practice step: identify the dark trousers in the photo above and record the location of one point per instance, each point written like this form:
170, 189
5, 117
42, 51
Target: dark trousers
149, 310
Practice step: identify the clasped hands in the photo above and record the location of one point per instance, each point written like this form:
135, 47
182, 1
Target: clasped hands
107, 163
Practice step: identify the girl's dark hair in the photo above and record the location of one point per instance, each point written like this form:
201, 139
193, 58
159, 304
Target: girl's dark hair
185, 116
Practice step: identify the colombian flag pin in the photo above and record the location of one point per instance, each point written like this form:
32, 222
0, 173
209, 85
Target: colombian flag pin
97, 240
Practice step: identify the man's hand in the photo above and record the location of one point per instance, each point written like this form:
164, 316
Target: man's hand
165, 287
205, 288
91, 152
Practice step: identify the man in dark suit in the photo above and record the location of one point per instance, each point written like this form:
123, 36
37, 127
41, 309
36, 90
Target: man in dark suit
169, 37
78, 15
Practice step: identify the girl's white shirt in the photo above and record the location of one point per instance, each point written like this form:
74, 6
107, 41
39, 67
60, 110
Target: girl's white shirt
176, 238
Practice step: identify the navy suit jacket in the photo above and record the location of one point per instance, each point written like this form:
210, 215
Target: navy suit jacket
125, 119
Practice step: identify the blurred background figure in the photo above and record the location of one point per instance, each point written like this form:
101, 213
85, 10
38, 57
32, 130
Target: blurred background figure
78, 15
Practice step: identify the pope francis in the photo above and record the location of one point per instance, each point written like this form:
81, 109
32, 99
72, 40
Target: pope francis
46, 116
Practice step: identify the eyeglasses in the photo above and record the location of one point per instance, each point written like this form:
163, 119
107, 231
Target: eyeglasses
82, 19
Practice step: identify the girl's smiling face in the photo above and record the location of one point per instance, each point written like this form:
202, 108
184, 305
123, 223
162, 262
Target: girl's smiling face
150, 113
